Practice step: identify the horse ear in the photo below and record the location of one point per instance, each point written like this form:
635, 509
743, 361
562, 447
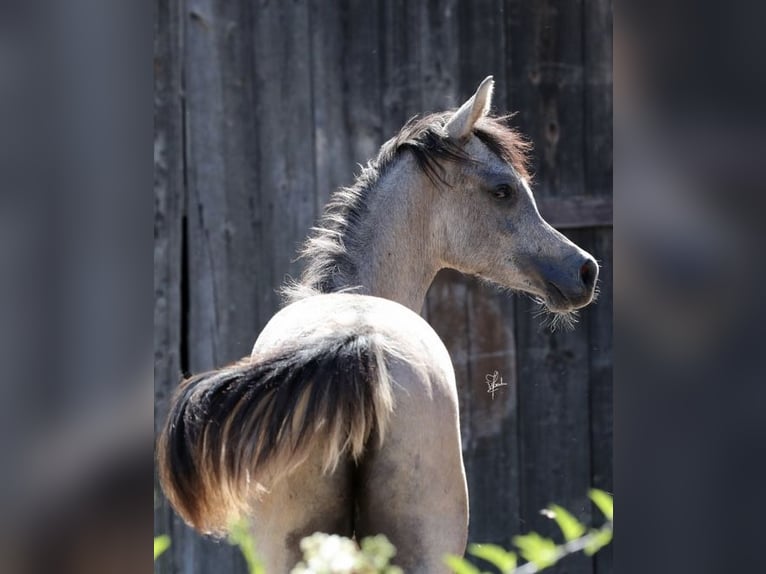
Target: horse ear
460, 125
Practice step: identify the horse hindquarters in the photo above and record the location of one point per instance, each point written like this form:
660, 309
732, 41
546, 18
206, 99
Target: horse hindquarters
307, 501
412, 488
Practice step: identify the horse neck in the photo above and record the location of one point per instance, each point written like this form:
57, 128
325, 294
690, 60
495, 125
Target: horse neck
394, 247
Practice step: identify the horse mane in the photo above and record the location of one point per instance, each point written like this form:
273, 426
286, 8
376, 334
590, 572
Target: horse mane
329, 265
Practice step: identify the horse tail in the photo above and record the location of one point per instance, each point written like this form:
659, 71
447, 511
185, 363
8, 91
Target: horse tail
232, 432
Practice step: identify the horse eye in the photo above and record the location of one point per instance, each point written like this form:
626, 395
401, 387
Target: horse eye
503, 191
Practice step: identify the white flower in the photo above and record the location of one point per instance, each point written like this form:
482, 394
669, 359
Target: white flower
327, 554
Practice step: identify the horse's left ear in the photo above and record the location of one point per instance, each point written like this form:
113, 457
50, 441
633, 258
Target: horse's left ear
460, 125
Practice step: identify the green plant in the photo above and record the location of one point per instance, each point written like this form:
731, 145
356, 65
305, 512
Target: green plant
333, 554
539, 552
239, 535
326, 554
161, 543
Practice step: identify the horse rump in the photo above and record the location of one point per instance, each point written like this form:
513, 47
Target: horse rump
232, 432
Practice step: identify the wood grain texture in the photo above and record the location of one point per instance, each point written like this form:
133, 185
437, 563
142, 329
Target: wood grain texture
554, 412
577, 211
494, 447
220, 219
283, 115
601, 373
169, 196
597, 40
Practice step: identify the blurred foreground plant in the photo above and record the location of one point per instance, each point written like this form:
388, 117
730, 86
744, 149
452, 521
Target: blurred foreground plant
239, 535
325, 554
539, 552
161, 543
333, 554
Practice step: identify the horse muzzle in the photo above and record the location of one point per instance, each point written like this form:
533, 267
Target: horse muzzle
572, 284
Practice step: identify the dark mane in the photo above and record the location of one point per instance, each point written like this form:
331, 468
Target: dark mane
329, 265
505, 142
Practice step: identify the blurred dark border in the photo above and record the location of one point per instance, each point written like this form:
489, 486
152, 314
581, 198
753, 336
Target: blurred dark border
76, 286
690, 157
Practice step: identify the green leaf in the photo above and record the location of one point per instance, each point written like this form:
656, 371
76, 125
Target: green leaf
542, 552
570, 527
239, 535
604, 501
378, 549
505, 561
600, 539
161, 543
460, 565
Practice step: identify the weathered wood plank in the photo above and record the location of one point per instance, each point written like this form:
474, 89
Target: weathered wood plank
577, 211
169, 198
400, 69
482, 48
562, 93
597, 38
332, 155
332, 146
438, 59
168, 237
447, 314
221, 213
284, 122
601, 373
553, 389
346, 63
363, 64
546, 71
494, 449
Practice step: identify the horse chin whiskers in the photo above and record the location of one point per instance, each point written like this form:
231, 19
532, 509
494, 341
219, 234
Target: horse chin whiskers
596, 292
555, 319
551, 317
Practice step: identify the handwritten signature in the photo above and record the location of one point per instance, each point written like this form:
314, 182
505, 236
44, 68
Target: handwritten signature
492, 384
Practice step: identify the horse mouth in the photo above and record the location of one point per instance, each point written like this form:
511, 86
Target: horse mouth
558, 302
555, 299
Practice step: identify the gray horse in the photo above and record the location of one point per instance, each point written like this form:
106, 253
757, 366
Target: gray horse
345, 417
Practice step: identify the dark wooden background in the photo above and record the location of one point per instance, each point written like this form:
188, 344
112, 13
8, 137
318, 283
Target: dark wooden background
264, 107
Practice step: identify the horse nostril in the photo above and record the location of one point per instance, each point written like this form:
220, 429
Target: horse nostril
588, 273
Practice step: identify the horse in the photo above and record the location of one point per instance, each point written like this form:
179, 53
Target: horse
344, 419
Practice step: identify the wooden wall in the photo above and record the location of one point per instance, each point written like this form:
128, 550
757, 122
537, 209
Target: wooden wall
263, 107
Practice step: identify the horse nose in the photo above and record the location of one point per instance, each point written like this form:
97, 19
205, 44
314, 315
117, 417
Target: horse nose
572, 282
589, 274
